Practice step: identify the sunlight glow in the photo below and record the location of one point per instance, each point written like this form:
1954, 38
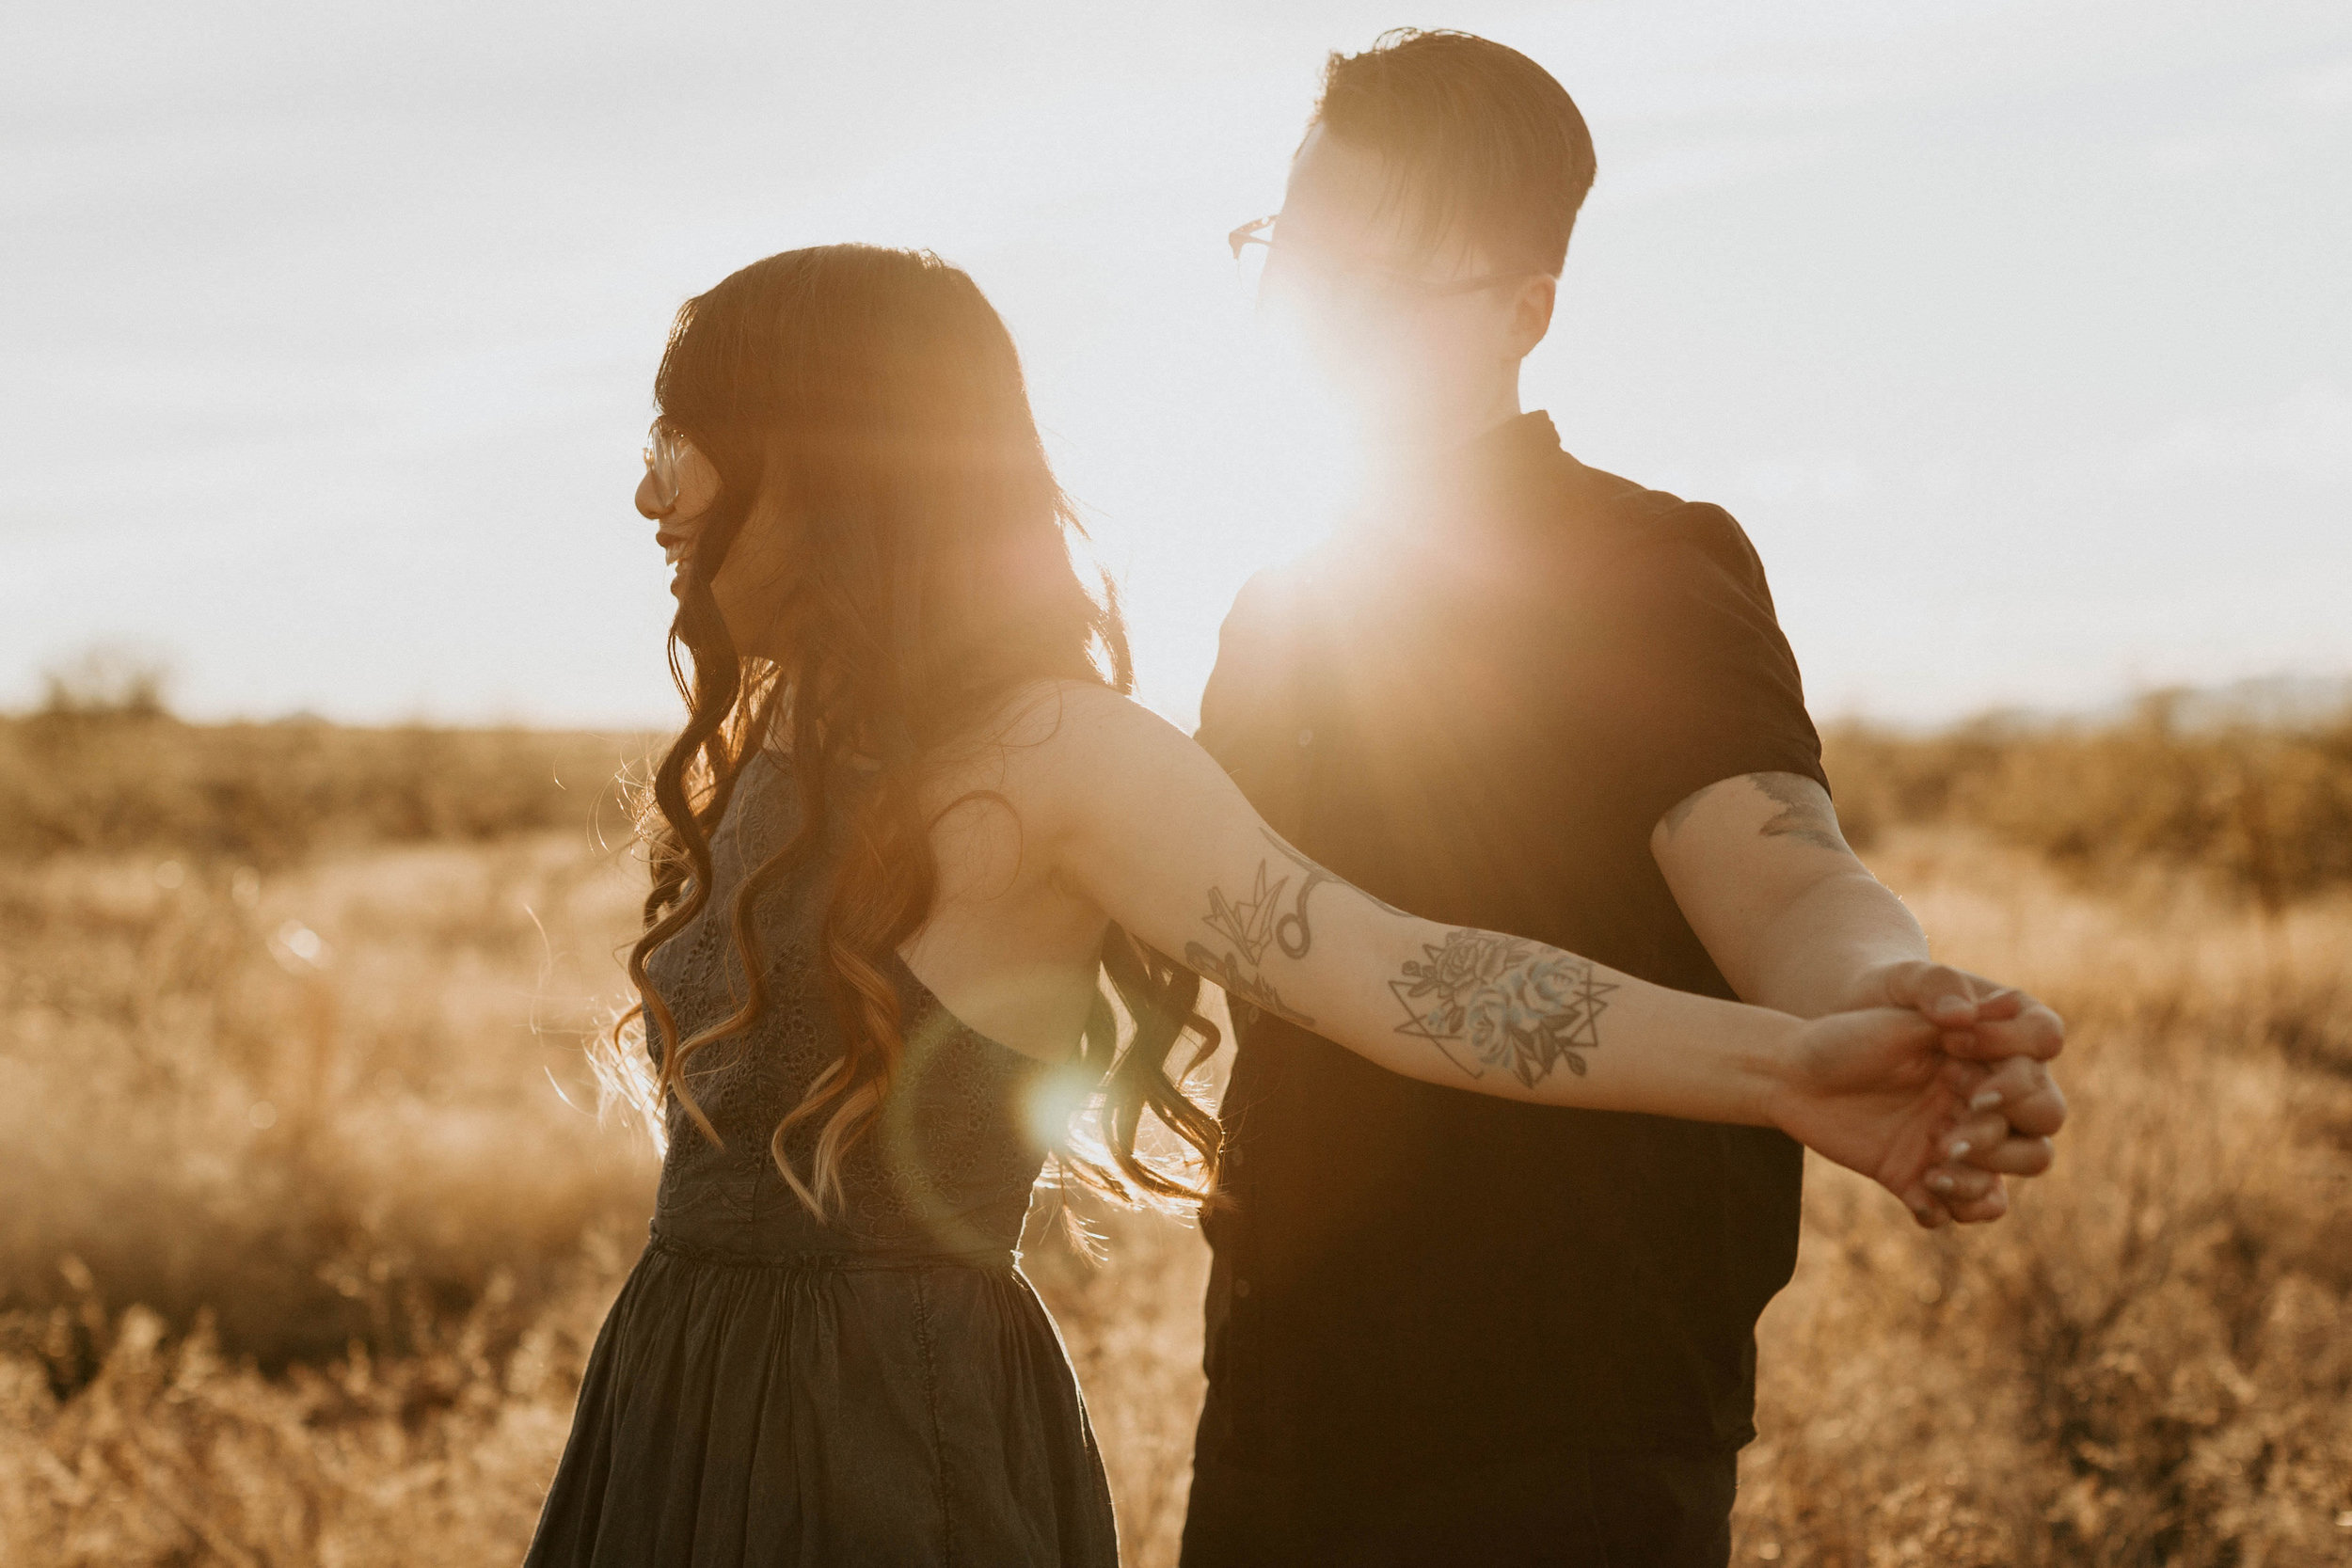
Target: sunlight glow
1272, 470
1053, 1102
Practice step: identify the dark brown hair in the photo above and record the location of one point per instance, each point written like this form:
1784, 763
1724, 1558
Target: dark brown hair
1484, 142
871, 404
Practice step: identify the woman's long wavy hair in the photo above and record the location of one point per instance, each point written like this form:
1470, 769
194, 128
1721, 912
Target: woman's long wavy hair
869, 402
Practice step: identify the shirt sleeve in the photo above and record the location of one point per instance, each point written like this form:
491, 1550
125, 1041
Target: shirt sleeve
1251, 711
1247, 658
1706, 686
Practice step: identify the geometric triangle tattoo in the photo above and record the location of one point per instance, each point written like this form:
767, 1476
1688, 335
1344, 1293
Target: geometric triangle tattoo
1514, 1005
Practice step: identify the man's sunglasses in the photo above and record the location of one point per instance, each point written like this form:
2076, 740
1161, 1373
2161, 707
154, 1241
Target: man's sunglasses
1254, 246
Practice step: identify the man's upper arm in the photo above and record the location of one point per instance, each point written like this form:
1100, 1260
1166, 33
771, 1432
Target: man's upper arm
1738, 852
1727, 783
1708, 688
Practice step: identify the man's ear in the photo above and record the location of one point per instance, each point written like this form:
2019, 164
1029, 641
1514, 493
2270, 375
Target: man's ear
1531, 313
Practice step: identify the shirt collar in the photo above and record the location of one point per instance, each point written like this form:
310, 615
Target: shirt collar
1500, 479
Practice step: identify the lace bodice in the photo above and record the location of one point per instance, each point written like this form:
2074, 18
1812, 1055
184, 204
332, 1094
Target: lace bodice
951, 1163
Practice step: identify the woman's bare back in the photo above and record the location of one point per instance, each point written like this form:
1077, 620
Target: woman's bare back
1011, 947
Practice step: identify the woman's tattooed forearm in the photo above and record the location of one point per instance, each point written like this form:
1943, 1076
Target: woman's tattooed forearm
1291, 932
1250, 926
1244, 986
1515, 1003
1272, 916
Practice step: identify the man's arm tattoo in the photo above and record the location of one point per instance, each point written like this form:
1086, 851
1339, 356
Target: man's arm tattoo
1805, 813
1514, 1004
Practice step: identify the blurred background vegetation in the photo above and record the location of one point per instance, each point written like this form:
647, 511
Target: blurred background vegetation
311, 1217
2264, 807
104, 767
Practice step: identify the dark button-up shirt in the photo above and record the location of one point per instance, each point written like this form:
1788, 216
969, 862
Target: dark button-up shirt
1476, 707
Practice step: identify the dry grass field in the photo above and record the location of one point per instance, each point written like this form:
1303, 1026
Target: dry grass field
310, 1218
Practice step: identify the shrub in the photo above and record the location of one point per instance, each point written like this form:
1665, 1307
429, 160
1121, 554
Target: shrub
133, 778
2268, 810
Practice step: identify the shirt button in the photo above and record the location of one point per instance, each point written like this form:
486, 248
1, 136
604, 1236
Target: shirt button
1241, 1287
1306, 738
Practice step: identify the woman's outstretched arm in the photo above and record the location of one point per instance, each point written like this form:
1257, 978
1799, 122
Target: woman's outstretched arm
1150, 829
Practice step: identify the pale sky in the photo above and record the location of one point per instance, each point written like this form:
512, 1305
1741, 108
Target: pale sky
2016, 333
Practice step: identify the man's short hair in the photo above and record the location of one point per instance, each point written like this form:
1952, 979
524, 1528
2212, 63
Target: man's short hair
1484, 142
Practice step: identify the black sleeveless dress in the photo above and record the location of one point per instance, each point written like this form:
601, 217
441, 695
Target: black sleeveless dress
883, 1388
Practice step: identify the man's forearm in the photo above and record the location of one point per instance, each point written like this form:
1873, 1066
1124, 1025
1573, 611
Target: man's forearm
1818, 954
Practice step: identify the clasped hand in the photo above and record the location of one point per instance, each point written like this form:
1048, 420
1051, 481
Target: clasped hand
1933, 1085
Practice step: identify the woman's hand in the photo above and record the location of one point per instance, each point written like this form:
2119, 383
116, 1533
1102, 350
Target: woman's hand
1878, 1092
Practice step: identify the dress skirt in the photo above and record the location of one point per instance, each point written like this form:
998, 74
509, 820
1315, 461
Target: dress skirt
827, 1409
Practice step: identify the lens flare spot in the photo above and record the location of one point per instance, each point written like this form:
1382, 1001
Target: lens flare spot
297, 948
1055, 1101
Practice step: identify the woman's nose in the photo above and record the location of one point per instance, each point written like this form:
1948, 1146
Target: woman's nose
649, 499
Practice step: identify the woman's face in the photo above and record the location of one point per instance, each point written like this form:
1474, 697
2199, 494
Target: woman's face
752, 579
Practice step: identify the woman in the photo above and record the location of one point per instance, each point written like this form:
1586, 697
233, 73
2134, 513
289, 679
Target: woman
911, 825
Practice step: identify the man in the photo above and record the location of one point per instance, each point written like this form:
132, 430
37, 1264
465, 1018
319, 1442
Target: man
1524, 695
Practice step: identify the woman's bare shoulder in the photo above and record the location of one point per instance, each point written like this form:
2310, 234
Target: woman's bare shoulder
1066, 715
1051, 744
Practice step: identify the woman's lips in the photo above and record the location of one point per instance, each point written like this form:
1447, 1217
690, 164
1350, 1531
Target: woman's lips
672, 546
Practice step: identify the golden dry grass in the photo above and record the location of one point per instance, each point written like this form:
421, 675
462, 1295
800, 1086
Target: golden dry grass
2151, 1360
304, 1245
